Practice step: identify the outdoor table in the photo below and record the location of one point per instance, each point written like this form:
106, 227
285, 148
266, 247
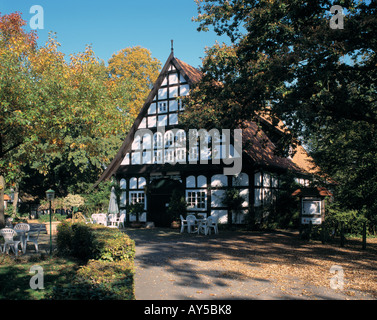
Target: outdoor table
201, 222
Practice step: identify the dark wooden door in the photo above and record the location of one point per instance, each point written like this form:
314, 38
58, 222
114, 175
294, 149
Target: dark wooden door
160, 192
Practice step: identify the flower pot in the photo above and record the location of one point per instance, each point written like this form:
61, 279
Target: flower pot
136, 224
54, 225
175, 225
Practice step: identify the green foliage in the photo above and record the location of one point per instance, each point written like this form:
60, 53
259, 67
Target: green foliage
337, 217
55, 217
283, 213
84, 242
100, 280
177, 205
286, 63
233, 201
97, 200
135, 209
64, 239
108, 254
64, 118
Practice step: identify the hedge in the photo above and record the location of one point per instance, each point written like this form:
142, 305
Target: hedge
108, 257
91, 241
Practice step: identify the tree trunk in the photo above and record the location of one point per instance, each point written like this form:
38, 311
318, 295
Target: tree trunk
15, 200
2, 212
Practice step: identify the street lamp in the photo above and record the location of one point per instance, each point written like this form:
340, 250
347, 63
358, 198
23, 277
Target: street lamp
50, 195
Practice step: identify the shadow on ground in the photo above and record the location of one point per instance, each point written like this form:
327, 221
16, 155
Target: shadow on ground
232, 265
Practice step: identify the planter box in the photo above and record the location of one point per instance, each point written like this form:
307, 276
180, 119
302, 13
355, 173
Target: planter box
135, 224
54, 225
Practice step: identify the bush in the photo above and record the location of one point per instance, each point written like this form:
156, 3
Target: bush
100, 280
109, 256
64, 239
85, 241
352, 220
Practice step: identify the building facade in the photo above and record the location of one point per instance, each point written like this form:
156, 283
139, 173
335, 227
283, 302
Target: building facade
158, 157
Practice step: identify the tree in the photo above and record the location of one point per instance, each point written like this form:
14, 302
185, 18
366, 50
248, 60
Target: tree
55, 111
286, 62
137, 64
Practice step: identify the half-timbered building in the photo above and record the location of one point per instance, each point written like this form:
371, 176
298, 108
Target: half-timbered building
158, 157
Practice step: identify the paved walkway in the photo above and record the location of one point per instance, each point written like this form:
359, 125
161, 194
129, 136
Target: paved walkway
174, 266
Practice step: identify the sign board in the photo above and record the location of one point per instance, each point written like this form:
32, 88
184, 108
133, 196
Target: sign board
311, 207
306, 220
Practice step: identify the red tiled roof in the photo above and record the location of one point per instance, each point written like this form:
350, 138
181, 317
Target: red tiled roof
194, 74
317, 191
261, 150
256, 143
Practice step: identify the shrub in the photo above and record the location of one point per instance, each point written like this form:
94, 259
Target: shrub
108, 253
64, 238
100, 280
351, 220
84, 242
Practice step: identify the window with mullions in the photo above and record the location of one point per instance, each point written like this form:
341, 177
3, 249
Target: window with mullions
157, 156
169, 139
266, 189
137, 197
180, 154
162, 107
196, 199
157, 140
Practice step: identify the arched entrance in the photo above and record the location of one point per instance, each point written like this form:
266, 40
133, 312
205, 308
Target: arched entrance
160, 192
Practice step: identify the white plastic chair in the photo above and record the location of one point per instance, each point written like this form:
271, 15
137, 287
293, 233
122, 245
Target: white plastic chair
8, 235
33, 237
23, 228
94, 217
120, 220
183, 224
212, 224
99, 218
112, 220
191, 223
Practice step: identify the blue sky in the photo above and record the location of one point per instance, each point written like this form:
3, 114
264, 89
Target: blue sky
112, 25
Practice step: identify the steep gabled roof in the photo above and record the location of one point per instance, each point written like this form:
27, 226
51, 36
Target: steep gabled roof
257, 144
191, 75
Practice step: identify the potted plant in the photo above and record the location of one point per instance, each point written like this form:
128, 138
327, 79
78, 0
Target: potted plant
233, 200
135, 209
177, 207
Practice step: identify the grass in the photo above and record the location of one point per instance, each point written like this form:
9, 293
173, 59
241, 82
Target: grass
15, 276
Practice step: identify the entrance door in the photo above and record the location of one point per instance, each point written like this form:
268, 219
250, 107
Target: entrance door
161, 191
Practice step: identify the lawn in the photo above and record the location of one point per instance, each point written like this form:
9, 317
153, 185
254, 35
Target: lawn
15, 276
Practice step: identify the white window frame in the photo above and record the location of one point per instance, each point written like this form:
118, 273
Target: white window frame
180, 154
196, 199
157, 156
157, 140
162, 107
138, 197
169, 139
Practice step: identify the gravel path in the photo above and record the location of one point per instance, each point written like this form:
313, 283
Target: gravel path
234, 265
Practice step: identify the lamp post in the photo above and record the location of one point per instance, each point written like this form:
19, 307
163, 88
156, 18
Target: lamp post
50, 195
